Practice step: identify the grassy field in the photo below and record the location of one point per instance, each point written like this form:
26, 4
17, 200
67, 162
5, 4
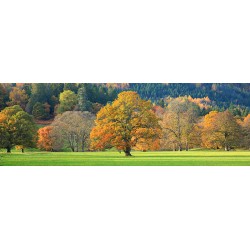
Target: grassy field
190, 158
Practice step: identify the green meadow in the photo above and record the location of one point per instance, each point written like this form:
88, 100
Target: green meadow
112, 158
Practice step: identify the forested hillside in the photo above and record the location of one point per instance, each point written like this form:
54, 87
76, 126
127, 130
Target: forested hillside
221, 94
45, 100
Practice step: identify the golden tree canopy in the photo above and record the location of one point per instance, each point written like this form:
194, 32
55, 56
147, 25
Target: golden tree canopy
127, 123
220, 129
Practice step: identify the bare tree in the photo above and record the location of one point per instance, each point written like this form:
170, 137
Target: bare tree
178, 123
74, 128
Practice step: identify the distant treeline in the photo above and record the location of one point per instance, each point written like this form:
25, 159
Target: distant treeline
235, 96
45, 100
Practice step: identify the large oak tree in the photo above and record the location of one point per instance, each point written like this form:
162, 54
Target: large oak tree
129, 122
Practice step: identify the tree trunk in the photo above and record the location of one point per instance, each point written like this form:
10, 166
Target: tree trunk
83, 146
187, 147
22, 150
226, 144
127, 151
77, 146
8, 149
180, 147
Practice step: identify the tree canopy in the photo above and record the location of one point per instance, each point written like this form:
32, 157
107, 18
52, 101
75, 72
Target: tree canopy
72, 130
220, 129
17, 128
127, 123
179, 121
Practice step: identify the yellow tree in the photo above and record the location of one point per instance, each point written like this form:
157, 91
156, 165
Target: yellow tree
129, 122
68, 101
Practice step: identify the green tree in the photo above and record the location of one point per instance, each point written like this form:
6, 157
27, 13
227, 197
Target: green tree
41, 111
68, 101
17, 128
40, 92
71, 86
83, 102
3, 94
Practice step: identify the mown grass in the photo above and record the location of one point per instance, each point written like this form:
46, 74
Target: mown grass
111, 158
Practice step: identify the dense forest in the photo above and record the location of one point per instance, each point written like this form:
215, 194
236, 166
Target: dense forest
45, 100
221, 94
125, 116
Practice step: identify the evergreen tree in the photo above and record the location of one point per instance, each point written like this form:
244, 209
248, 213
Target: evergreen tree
83, 103
70, 86
40, 92
41, 111
3, 94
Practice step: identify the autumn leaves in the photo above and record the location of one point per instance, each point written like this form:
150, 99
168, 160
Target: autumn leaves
221, 129
130, 122
127, 123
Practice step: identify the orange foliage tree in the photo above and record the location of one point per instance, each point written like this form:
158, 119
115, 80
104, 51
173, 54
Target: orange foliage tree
220, 129
129, 122
209, 135
45, 139
246, 131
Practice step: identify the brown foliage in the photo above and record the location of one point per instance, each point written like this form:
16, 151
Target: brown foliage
18, 97
178, 124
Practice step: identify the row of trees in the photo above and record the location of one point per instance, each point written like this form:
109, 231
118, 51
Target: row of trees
125, 124
69, 130
132, 123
